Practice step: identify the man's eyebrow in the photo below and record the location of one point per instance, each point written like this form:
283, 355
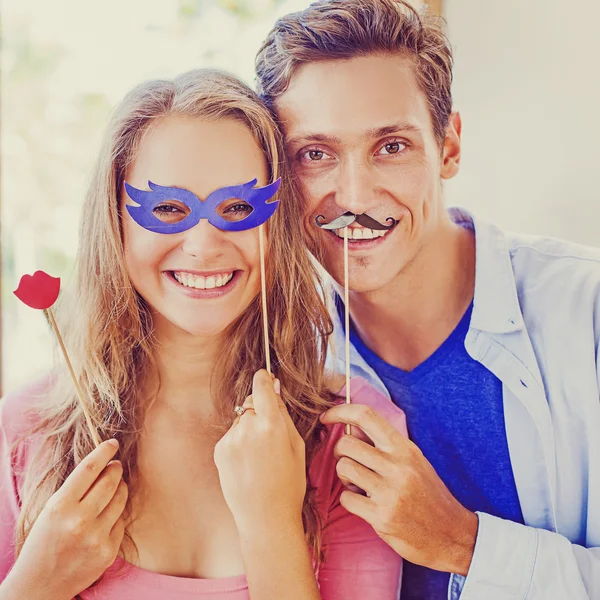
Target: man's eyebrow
378, 132
304, 138
375, 132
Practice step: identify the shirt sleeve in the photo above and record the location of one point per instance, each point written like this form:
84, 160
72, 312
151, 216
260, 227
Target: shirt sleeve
514, 561
358, 565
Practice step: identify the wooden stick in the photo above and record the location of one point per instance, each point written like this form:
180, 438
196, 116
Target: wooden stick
347, 323
88, 419
264, 296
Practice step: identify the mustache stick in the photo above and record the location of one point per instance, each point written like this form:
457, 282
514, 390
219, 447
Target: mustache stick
347, 323
344, 221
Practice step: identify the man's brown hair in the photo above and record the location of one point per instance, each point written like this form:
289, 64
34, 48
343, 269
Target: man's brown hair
344, 29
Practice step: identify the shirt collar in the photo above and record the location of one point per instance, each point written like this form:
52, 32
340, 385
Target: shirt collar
496, 303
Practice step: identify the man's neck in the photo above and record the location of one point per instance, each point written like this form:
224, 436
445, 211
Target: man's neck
407, 320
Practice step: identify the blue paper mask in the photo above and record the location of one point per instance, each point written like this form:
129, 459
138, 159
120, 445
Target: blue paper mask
254, 198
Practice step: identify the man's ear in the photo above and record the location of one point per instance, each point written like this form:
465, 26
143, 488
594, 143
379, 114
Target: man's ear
451, 150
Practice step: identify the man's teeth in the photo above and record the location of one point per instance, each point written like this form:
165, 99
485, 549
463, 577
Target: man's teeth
361, 233
202, 283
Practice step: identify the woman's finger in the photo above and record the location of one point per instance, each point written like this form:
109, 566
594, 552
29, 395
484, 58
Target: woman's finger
118, 531
249, 402
266, 401
88, 470
103, 490
114, 509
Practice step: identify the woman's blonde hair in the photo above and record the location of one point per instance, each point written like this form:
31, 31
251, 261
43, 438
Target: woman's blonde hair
108, 325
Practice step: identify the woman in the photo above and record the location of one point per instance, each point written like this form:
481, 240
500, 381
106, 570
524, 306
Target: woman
167, 327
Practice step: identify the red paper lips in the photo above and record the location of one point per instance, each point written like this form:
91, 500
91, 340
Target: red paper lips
39, 290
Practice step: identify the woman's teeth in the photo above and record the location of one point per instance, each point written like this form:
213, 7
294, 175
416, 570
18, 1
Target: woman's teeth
202, 283
361, 233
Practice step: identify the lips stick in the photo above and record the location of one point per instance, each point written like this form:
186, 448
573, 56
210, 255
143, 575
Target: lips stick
40, 291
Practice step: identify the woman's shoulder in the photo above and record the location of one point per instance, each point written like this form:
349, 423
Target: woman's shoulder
19, 410
18, 417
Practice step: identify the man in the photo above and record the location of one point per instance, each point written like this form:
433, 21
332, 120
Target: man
488, 341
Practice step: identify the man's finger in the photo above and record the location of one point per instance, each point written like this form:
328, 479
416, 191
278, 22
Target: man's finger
351, 472
358, 505
359, 451
384, 435
266, 401
359, 434
88, 470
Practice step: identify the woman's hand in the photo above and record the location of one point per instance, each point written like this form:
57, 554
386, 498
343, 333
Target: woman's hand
78, 533
262, 462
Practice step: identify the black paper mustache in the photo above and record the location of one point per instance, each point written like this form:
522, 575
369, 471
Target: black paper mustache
349, 217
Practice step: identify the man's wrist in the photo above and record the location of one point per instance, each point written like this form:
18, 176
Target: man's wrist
464, 545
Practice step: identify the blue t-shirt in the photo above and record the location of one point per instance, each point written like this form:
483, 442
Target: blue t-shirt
455, 415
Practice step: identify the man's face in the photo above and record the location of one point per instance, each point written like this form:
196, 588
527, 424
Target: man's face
360, 138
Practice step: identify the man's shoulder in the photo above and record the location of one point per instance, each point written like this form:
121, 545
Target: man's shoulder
551, 250
550, 263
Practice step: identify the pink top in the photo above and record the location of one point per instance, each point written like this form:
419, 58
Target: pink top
359, 565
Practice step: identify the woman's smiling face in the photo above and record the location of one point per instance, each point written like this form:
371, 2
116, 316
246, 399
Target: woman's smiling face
202, 279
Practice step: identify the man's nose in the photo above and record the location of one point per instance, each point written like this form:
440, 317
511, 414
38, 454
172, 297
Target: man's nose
355, 187
203, 241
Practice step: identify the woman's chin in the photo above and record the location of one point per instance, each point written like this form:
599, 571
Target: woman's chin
202, 330
177, 326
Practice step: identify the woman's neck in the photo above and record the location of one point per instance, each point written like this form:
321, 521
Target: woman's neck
185, 365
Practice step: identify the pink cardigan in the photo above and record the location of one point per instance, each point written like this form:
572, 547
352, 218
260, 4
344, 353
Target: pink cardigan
359, 565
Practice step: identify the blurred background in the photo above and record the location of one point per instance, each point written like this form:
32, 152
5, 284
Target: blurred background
526, 83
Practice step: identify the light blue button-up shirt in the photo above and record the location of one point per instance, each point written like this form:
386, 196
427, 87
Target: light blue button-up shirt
536, 326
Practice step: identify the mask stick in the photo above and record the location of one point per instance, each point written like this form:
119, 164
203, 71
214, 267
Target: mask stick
264, 297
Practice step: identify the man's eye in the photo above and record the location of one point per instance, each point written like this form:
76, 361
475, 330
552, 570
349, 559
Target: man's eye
392, 148
313, 155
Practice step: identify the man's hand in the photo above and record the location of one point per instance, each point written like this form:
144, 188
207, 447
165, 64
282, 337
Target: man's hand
406, 503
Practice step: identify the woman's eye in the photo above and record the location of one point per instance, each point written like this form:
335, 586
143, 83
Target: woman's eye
166, 209
392, 148
235, 212
241, 207
170, 212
